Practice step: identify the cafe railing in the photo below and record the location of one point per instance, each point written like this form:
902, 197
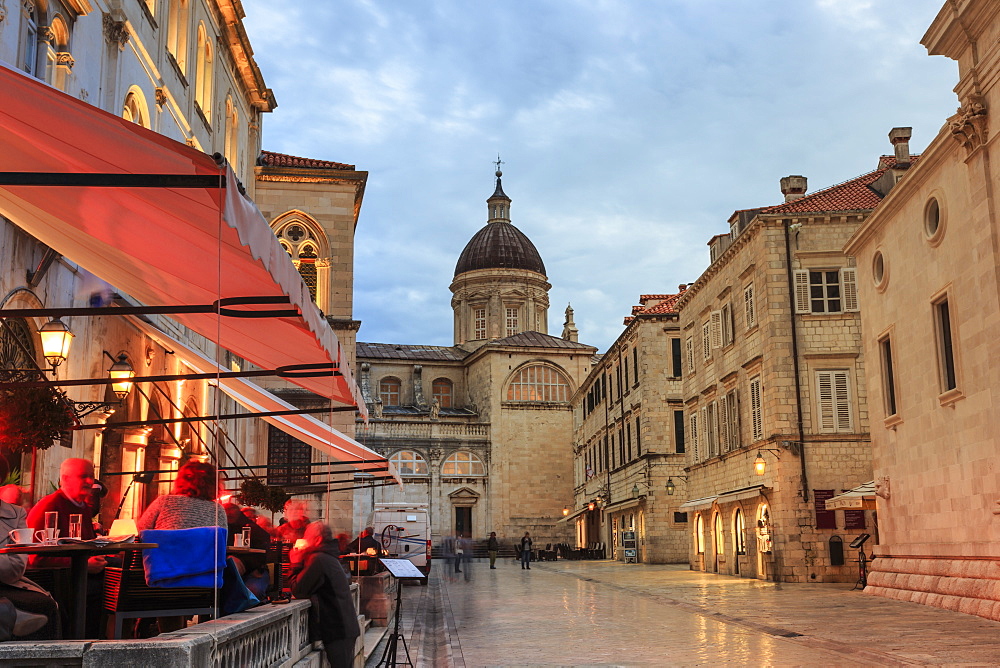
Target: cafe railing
269, 635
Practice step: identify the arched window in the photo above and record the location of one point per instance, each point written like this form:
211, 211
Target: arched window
305, 242
307, 267
699, 534
231, 150
135, 109
538, 382
442, 391
177, 32
59, 63
720, 536
203, 84
17, 348
739, 532
463, 463
389, 391
408, 462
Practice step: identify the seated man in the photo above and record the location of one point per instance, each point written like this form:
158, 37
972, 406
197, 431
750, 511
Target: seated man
23, 594
296, 520
366, 543
76, 477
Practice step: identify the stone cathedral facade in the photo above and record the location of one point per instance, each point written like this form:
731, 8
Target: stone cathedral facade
481, 431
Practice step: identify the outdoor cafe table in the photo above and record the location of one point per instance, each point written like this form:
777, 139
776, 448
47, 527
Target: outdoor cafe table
78, 554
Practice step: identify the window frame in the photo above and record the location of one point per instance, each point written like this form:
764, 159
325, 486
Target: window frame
847, 288
473, 460
835, 412
944, 344
554, 381
890, 396
756, 409
418, 461
749, 306
383, 392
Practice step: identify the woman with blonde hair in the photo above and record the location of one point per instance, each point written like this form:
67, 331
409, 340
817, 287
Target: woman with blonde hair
191, 502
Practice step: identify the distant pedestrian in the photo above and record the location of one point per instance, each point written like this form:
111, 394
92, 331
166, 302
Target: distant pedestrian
526, 551
493, 547
465, 545
450, 548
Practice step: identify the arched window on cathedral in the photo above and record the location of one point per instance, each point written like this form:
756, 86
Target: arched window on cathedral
231, 138
177, 33
538, 382
463, 463
389, 391
307, 267
408, 462
441, 390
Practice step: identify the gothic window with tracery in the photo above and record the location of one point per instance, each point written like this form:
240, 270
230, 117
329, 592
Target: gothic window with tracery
16, 348
301, 244
538, 382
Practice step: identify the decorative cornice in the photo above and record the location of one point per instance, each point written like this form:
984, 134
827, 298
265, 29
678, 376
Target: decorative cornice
969, 124
116, 32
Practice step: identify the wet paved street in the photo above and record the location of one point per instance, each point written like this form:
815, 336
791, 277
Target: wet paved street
599, 613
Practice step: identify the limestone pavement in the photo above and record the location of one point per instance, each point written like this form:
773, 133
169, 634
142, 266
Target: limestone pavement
606, 613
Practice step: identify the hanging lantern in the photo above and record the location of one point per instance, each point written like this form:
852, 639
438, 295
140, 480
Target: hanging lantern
56, 339
121, 373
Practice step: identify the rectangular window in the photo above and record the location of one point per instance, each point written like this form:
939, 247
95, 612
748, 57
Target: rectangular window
731, 416
749, 307
621, 445
826, 290
834, 402
825, 519
711, 423
680, 517
635, 365
675, 358
289, 457
689, 345
945, 346
706, 340
638, 439
625, 369
726, 315
479, 320
716, 320
628, 441
512, 325
888, 377
756, 413
679, 431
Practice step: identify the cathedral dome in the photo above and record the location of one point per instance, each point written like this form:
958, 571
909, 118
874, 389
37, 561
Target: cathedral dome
499, 245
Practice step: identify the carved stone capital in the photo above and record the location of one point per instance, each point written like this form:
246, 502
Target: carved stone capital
969, 124
65, 58
435, 454
161, 97
45, 34
116, 32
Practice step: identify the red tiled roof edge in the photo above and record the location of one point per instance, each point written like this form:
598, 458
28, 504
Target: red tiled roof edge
272, 159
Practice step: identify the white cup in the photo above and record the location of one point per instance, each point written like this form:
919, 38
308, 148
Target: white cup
22, 536
47, 536
238, 540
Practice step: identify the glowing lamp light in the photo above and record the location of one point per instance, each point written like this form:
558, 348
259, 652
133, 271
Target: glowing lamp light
371, 551
56, 338
759, 465
591, 505
123, 527
565, 511
671, 487
121, 373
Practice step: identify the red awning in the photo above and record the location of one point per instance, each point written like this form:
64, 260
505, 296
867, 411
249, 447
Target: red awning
160, 245
318, 434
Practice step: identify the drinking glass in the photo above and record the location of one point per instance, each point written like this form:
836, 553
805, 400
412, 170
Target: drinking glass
246, 536
51, 527
76, 526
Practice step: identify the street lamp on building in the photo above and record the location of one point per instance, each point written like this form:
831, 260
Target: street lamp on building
121, 372
671, 487
759, 465
56, 338
565, 511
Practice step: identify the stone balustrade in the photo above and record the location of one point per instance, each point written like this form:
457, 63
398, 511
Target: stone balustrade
268, 635
475, 432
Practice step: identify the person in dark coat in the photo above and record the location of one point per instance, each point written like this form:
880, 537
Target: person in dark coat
317, 575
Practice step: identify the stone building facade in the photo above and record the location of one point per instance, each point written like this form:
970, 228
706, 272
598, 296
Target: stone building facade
481, 431
929, 288
774, 385
628, 441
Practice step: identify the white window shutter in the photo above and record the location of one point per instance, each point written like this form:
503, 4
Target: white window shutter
801, 279
749, 306
690, 352
827, 418
755, 409
716, 329
842, 400
694, 434
706, 341
706, 436
724, 424
849, 288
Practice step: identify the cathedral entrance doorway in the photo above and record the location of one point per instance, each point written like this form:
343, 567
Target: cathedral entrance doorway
463, 520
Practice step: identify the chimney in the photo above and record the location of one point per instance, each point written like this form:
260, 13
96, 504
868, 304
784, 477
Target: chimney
900, 138
793, 187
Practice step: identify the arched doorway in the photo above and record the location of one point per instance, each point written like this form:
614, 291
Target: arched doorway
739, 539
764, 540
720, 543
699, 541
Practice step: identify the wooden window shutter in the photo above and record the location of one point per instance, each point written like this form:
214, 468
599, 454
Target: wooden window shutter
706, 341
842, 399
694, 434
689, 344
724, 423
801, 280
849, 288
716, 320
748, 305
755, 409
827, 402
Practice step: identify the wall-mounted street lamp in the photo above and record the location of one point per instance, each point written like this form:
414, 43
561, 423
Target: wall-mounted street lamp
635, 491
56, 338
760, 466
565, 511
671, 487
592, 505
121, 372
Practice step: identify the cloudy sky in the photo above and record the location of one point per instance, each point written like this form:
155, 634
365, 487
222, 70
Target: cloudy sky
630, 129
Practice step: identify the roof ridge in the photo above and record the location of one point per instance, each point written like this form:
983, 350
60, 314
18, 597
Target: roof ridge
275, 159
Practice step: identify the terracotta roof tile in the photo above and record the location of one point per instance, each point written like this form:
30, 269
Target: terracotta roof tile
538, 340
272, 159
407, 352
664, 304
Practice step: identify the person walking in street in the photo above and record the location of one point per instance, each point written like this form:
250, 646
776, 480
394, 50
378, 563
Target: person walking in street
493, 547
465, 545
526, 551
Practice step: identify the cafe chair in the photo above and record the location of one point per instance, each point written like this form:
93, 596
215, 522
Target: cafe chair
154, 585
